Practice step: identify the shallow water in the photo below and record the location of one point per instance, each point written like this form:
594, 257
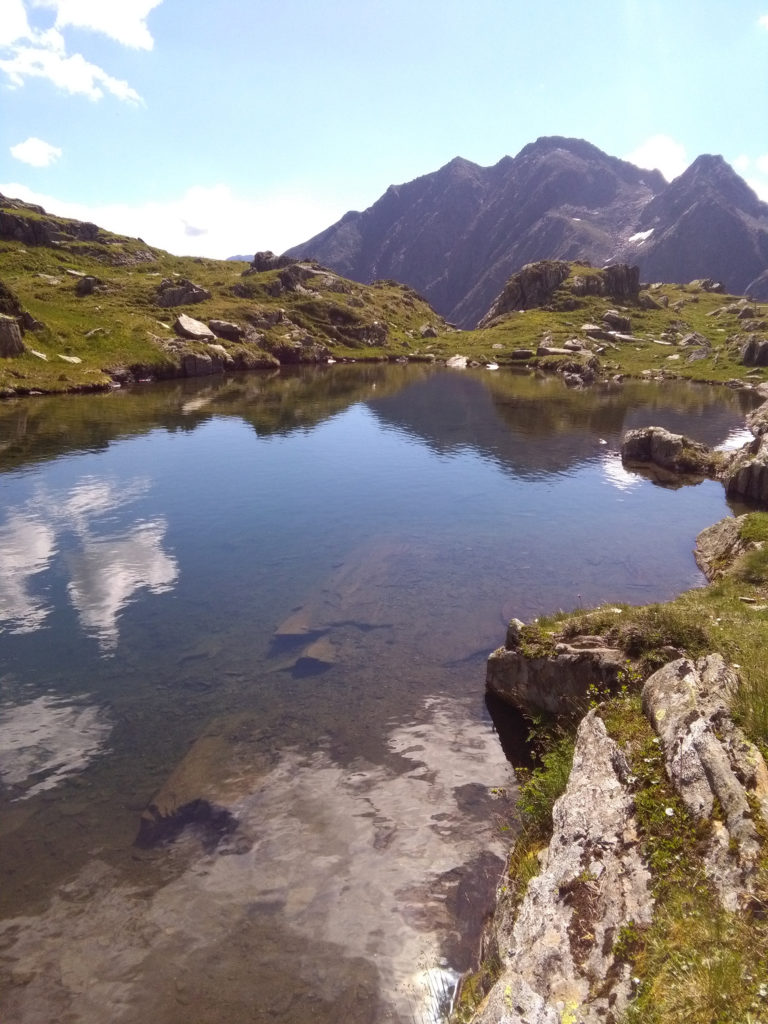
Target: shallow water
262, 606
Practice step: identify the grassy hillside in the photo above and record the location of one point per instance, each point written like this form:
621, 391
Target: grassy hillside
120, 331
92, 332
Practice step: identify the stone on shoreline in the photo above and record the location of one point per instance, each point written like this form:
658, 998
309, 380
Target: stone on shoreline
673, 452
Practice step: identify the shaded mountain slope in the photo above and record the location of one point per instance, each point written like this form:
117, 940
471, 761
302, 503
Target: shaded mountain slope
457, 234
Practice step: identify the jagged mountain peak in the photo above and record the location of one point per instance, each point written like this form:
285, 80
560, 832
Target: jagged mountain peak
711, 175
457, 234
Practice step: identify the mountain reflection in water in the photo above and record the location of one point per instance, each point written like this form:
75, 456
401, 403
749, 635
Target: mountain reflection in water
246, 768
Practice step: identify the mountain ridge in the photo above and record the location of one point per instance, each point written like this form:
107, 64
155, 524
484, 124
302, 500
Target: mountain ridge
458, 233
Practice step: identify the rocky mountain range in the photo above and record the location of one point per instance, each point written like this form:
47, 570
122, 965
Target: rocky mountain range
456, 235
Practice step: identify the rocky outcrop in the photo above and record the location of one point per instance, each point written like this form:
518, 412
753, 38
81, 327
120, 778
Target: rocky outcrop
672, 452
42, 229
536, 284
719, 546
11, 342
9, 303
746, 474
268, 261
558, 682
711, 764
560, 952
754, 351
530, 287
757, 420
179, 292
559, 960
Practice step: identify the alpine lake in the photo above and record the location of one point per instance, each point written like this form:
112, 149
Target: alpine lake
247, 768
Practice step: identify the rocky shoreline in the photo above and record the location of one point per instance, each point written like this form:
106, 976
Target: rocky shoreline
564, 942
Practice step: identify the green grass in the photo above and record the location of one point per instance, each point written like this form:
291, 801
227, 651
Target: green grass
122, 326
132, 329
696, 962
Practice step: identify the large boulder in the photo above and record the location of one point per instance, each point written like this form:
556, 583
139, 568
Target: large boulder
226, 329
263, 261
11, 342
187, 327
9, 303
754, 351
673, 452
179, 292
87, 285
617, 321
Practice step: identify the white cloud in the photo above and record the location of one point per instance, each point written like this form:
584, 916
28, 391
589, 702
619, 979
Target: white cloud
763, 21
13, 23
661, 152
32, 53
122, 20
203, 221
35, 152
74, 74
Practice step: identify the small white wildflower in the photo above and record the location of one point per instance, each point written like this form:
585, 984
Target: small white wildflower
668, 811
656, 738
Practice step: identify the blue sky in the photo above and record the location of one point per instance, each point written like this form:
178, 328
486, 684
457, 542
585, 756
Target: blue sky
220, 128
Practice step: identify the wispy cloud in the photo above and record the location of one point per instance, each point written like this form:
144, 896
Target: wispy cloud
662, 153
35, 152
29, 52
124, 21
763, 21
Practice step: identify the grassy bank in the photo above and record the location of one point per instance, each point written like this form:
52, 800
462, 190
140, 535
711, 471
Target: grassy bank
87, 339
697, 962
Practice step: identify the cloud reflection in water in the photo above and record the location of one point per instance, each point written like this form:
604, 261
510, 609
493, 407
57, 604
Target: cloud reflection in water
46, 740
26, 549
105, 569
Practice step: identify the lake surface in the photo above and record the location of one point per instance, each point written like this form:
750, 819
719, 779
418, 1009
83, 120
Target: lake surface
261, 607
